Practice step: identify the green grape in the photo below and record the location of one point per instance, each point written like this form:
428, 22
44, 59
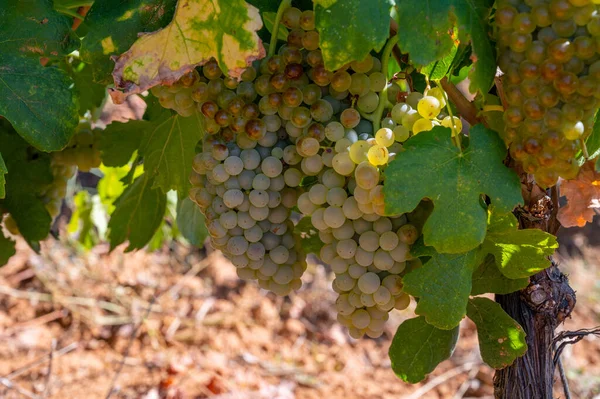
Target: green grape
377, 81
401, 133
368, 103
360, 84
363, 65
366, 175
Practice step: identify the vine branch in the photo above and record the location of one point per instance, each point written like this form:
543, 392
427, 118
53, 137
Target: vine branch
375, 117
465, 107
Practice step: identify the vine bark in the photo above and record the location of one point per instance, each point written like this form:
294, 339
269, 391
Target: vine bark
539, 308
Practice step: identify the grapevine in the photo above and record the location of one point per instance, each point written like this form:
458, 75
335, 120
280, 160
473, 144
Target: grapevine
297, 128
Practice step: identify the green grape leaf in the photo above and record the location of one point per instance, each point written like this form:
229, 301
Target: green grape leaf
269, 20
3, 171
113, 26
138, 213
431, 166
91, 94
443, 286
350, 29
265, 5
439, 68
473, 25
518, 253
418, 347
425, 31
191, 222
33, 28
7, 248
111, 186
119, 141
29, 172
39, 101
201, 29
311, 243
592, 143
169, 148
488, 279
81, 220
501, 338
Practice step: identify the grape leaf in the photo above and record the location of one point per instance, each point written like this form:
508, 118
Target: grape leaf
201, 29
138, 213
583, 196
169, 148
119, 141
518, 253
443, 286
592, 143
33, 28
426, 34
111, 186
29, 172
472, 20
7, 248
39, 101
432, 167
91, 94
3, 171
425, 31
501, 338
311, 243
269, 20
81, 220
191, 222
350, 29
488, 279
439, 68
113, 26
418, 347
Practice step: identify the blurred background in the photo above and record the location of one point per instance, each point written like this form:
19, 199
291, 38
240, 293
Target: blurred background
175, 322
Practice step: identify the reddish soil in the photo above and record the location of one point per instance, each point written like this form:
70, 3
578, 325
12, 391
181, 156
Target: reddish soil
190, 329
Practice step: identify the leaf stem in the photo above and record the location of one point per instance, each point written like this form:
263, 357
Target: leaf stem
584, 149
455, 133
284, 5
383, 101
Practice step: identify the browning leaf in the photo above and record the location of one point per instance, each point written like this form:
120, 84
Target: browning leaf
583, 195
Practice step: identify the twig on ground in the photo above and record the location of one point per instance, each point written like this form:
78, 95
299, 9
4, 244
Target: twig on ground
132, 337
46, 392
11, 385
41, 360
563, 378
460, 393
440, 379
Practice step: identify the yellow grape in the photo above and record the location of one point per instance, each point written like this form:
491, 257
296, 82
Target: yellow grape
447, 122
378, 155
422, 125
438, 93
384, 137
358, 151
429, 107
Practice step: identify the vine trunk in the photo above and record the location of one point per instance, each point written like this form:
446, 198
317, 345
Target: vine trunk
539, 308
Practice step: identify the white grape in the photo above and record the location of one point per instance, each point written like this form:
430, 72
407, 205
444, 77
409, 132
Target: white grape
369, 283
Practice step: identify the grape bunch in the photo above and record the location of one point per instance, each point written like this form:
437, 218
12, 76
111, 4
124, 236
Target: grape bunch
291, 133
83, 150
549, 51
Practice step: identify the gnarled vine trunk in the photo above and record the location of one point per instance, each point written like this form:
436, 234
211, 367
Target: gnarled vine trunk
539, 308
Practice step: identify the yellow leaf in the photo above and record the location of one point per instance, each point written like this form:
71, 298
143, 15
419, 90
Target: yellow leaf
200, 30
